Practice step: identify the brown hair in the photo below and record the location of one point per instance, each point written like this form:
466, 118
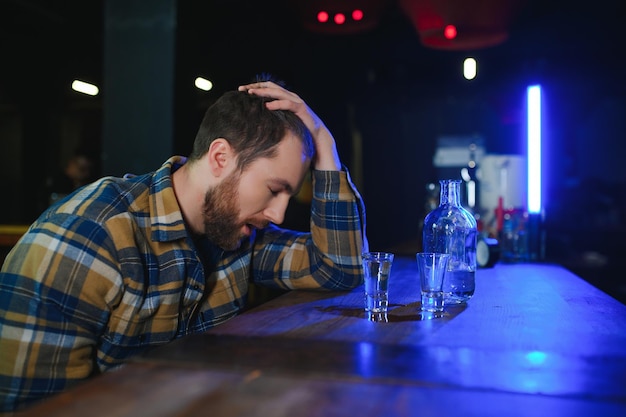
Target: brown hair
251, 129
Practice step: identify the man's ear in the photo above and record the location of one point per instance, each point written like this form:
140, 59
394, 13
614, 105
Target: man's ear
220, 157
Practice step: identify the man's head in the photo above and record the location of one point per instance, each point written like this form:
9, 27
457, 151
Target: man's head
254, 160
251, 129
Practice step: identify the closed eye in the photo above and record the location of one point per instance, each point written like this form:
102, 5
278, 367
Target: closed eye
277, 186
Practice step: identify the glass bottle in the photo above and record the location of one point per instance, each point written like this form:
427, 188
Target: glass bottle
450, 228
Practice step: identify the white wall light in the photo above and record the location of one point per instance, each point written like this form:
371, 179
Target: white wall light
469, 68
203, 84
85, 88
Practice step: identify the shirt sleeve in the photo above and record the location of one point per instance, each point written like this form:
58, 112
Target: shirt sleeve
329, 256
49, 318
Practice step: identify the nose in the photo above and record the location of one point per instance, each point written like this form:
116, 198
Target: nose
275, 211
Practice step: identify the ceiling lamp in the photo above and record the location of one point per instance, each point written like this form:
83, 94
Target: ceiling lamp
461, 24
340, 17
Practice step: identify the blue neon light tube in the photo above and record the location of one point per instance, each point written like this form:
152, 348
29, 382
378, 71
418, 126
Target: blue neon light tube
534, 148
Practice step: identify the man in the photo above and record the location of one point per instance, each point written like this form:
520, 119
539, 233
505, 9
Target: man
78, 171
125, 264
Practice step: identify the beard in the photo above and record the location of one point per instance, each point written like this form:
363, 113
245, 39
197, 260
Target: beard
221, 214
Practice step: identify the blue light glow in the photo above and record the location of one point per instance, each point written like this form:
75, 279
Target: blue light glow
365, 357
534, 148
536, 358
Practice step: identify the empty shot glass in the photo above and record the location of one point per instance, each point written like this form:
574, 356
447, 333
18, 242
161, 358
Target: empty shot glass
377, 267
431, 269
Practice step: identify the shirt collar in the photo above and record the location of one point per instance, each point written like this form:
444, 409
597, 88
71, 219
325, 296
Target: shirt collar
165, 215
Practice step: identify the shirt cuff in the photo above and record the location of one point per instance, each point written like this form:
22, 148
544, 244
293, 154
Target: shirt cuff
332, 185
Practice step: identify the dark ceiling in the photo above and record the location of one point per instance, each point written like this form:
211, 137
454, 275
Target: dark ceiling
50, 42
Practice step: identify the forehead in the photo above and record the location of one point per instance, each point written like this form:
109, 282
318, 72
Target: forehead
288, 166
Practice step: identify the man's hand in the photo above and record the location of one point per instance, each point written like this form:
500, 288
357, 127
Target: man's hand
327, 158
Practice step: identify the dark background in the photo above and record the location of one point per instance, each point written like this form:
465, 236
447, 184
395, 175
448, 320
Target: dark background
385, 95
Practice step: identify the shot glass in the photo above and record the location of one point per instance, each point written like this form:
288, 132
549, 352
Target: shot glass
377, 266
431, 269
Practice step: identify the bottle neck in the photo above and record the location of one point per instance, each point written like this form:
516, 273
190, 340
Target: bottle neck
450, 192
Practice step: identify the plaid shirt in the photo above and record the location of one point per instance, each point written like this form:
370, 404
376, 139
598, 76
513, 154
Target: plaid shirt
111, 271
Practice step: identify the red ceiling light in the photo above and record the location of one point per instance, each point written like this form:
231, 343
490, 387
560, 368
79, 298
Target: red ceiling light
341, 17
449, 32
322, 16
479, 23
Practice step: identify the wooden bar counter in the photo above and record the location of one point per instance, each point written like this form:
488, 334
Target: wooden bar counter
535, 340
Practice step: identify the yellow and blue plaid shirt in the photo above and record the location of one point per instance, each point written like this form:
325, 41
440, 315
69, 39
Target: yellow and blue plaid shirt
111, 270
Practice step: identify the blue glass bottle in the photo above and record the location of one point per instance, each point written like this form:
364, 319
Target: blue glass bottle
450, 228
